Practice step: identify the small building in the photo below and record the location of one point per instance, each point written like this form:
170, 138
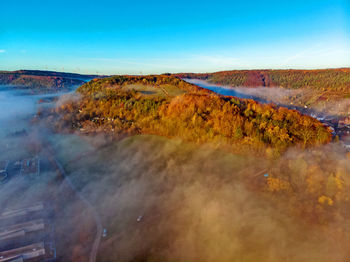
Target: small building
346, 141
21, 229
3, 166
26, 234
347, 147
32, 251
345, 122
16, 259
30, 167
3, 170
24, 211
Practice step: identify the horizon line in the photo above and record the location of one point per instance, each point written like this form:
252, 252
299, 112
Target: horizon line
172, 73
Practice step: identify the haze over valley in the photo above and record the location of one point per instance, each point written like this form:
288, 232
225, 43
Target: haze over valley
134, 176
189, 131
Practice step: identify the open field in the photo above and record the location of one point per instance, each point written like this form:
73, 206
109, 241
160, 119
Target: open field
157, 91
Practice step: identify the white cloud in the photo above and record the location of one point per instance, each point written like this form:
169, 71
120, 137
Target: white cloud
304, 53
2, 50
320, 56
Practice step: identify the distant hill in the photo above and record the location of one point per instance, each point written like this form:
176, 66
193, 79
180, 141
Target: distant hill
331, 79
168, 106
326, 91
43, 80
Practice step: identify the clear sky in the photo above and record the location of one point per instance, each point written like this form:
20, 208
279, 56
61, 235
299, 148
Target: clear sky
133, 37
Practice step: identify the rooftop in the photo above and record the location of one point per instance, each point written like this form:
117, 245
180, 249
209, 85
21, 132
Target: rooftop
30, 166
21, 229
26, 252
10, 213
3, 166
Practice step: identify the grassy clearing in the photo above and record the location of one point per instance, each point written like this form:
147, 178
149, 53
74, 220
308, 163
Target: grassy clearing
165, 90
172, 90
144, 90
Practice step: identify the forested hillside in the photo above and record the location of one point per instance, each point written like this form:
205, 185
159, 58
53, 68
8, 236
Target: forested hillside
168, 106
332, 79
42, 80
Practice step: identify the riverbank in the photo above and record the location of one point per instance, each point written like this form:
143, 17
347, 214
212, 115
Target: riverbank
329, 116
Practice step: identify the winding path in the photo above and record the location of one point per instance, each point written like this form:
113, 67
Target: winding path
99, 229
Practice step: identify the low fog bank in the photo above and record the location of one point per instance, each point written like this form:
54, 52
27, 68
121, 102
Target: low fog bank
22, 139
20, 126
20, 106
220, 89
300, 99
165, 200
308, 101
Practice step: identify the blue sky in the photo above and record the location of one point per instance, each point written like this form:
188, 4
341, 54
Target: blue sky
134, 37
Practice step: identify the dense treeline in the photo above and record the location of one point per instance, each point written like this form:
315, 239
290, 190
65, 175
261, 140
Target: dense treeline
331, 79
197, 115
98, 85
47, 80
315, 183
50, 73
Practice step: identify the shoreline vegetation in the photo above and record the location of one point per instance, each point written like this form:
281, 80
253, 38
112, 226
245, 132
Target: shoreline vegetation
326, 90
321, 79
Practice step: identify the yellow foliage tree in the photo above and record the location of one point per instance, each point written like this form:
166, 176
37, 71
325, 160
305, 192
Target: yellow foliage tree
325, 200
277, 185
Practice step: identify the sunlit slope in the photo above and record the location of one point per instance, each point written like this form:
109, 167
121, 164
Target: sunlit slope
168, 106
153, 85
